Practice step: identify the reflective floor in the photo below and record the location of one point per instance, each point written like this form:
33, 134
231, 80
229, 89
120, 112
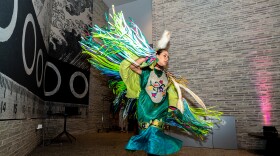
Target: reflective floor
112, 144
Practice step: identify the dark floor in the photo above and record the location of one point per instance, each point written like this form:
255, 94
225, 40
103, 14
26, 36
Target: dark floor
112, 144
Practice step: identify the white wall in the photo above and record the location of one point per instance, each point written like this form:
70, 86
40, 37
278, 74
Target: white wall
141, 12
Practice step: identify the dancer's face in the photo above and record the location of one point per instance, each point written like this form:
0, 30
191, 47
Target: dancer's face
163, 58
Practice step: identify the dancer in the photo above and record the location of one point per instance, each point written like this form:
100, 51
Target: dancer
152, 109
138, 71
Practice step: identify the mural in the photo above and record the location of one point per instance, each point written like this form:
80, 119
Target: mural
43, 10
28, 75
68, 19
22, 57
65, 83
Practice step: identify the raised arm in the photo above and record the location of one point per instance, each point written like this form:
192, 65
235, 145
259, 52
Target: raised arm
136, 67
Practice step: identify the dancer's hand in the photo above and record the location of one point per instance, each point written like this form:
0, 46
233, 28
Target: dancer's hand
169, 74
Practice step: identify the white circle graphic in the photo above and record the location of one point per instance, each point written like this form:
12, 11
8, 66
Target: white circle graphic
7, 32
71, 81
49, 64
39, 82
29, 18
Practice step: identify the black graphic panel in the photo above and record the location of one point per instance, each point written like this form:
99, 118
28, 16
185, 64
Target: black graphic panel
24, 63
22, 60
23, 53
65, 83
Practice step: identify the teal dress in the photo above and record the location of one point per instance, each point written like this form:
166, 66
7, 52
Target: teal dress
152, 110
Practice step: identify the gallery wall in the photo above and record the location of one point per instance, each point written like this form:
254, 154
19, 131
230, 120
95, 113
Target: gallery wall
32, 80
229, 53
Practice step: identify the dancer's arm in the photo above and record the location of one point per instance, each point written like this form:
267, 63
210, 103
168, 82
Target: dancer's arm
136, 66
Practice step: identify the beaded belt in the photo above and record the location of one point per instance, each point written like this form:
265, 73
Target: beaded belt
156, 123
